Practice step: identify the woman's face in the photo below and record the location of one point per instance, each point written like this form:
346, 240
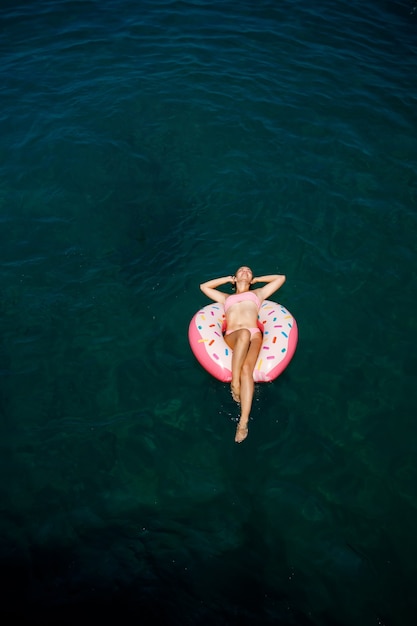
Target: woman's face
244, 273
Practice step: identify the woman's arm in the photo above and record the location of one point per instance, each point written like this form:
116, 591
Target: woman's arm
274, 282
209, 288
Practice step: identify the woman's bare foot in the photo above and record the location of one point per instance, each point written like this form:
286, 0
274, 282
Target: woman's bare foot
235, 392
241, 433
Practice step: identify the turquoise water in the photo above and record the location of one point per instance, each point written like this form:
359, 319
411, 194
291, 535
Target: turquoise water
146, 147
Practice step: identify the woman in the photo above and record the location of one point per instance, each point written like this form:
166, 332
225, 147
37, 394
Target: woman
242, 333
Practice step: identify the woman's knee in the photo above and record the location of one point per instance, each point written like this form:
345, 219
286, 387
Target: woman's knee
247, 370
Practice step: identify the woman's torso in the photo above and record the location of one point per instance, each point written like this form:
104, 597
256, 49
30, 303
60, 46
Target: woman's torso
242, 309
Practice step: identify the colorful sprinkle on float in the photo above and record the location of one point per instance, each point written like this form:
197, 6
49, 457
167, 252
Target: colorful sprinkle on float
280, 336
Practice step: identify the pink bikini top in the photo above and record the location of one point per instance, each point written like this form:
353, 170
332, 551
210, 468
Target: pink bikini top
241, 297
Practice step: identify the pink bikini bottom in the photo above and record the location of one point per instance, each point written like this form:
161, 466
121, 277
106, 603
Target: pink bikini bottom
252, 331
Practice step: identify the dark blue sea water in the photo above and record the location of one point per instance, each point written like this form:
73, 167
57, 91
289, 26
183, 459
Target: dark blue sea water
145, 147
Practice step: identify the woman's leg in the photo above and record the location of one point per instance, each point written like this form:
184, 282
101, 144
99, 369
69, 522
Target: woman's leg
247, 387
239, 341
245, 354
